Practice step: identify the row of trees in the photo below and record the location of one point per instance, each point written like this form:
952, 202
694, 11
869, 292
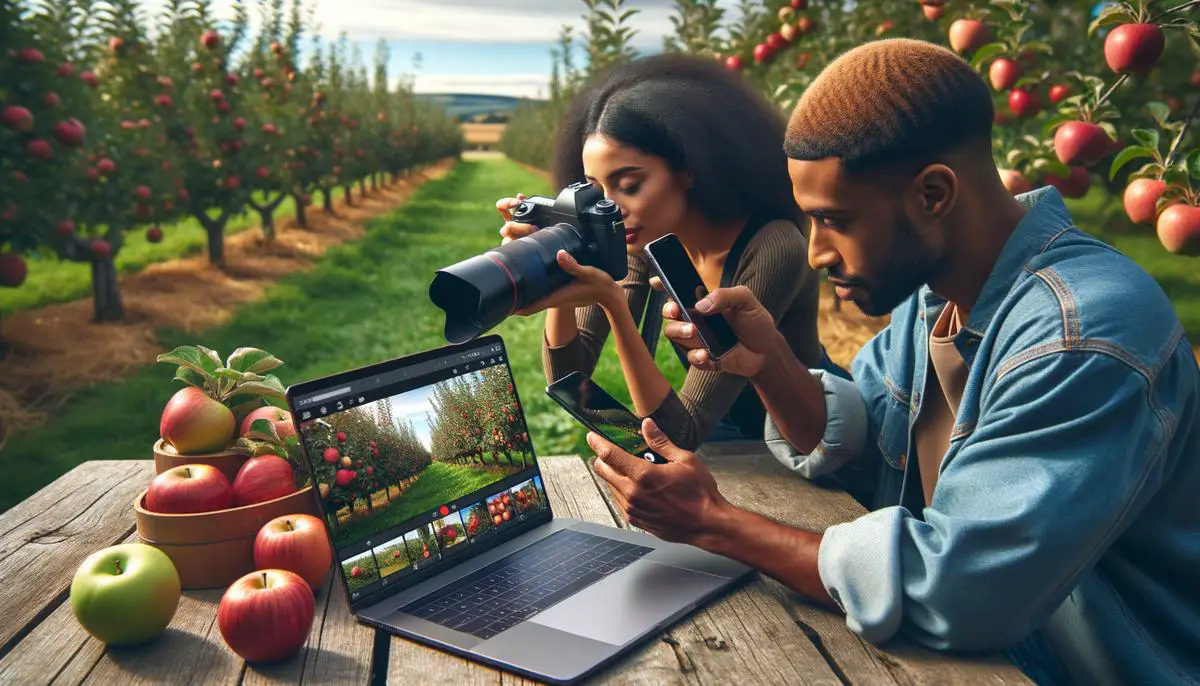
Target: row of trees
112, 121
476, 418
1086, 93
362, 452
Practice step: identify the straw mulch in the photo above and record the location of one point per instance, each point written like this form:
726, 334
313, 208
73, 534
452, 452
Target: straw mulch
56, 350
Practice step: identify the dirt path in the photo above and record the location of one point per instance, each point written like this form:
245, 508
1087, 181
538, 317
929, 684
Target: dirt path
57, 349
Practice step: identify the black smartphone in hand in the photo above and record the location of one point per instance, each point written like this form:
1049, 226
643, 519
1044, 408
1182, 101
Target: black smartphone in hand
593, 407
685, 287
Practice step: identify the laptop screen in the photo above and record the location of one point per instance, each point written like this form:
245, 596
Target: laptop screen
420, 463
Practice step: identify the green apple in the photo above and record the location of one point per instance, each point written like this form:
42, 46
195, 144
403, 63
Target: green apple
125, 595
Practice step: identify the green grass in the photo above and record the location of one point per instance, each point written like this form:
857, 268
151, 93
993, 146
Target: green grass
439, 483
52, 280
363, 302
1102, 216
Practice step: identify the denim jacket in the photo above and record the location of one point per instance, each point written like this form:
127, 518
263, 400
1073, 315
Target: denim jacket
1065, 525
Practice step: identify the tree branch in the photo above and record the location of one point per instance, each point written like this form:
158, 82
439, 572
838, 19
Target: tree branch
1177, 8
1108, 93
1182, 132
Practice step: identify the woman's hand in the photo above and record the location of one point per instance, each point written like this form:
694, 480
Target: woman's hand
511, 230
589, 285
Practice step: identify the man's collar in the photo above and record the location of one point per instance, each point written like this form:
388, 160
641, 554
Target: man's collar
1046, 217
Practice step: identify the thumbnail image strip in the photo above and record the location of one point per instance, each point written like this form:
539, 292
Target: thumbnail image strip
361, 571
393, 556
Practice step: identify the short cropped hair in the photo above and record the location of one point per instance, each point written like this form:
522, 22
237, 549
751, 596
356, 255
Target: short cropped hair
699, 118
889, 103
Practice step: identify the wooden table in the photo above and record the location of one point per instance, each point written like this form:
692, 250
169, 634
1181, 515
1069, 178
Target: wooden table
759, 634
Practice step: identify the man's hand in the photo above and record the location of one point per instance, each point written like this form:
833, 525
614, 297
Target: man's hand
677, 502
754, 326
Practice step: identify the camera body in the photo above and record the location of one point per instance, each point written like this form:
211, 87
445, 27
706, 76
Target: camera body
480, 292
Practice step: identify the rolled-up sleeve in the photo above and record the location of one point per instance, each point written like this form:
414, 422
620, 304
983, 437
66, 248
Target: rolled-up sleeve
1066, 453
845, 433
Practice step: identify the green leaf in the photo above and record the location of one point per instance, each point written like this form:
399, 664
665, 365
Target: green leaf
1193, 164
269, 388
1126, 156
263, 430
1113, 14
1046, 165
1039, 46
1159, 110
190, 377
192, 358
1147, 137
1109, 129
1054, 123
1015, 157
986, 52
252, 360
212, 355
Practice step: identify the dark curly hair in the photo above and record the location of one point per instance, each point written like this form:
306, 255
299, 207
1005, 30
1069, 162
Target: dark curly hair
697, 116
891, 103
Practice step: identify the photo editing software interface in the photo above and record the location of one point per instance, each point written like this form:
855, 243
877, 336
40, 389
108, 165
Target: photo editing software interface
420, 464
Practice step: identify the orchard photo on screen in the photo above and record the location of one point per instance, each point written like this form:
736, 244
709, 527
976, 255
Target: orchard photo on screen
386, 462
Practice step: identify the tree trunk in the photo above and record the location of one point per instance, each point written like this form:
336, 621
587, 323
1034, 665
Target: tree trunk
3, 344
301, 211
266, 215
327, 199
346, 190
215, 228
106, 294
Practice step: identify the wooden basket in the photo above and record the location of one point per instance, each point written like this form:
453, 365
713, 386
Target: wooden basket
214, 549
166, 457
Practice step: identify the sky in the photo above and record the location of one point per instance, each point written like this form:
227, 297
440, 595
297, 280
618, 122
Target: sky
467, 46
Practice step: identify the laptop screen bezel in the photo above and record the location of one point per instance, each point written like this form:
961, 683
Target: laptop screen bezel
307, 388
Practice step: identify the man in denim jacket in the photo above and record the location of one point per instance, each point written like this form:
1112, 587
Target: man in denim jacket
1029, 421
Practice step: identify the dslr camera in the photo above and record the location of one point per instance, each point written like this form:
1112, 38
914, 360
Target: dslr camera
480, 292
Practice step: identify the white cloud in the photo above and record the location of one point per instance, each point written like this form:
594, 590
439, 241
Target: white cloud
516, 85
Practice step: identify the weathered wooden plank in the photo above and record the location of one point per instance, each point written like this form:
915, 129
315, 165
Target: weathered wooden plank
749, 476
44, 538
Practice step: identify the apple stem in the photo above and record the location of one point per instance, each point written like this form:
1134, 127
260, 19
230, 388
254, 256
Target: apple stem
1177, 8
1109, 92
264, 579
1182, 132
119, 570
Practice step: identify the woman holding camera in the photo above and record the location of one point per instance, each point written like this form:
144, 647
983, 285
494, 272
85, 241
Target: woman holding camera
682, 146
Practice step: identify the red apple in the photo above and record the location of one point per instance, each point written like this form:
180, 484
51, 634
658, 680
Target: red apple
343, 477
64, 228
266, 615
263, 478
1076, 185
788, 32
282, 419
1141, 198
16, 118
12, 270
297, 543
39, 148
1134, 48
1003, 73
733, 63
806, 25
90, 79
142, 192
762, 53
210, 39
968, 35
799, 4
194, 423
102, 250
1015, 182
1079, 142
51, 100
331, 455
106, 166
1179, 229
154, 234
189, 488
933, 12
775, 42
66, 69
1058, 93
1023, 103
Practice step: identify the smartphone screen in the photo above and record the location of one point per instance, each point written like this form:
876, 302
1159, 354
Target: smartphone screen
596, 409
679, 277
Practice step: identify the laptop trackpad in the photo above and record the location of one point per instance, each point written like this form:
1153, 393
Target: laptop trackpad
625, 603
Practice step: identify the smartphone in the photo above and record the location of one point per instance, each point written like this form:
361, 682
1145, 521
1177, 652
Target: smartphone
593, 407
682, 282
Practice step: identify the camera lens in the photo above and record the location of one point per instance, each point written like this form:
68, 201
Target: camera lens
478, 293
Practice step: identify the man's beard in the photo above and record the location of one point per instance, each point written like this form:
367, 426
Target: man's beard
908, 265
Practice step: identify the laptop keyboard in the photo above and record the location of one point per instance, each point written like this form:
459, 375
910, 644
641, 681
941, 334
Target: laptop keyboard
515, 588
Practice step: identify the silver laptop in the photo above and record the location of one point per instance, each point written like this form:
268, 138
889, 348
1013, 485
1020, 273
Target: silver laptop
458, 546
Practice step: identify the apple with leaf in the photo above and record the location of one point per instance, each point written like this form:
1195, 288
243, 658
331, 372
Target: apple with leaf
273, 469
203, 416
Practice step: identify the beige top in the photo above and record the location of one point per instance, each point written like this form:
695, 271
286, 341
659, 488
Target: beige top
943, 392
